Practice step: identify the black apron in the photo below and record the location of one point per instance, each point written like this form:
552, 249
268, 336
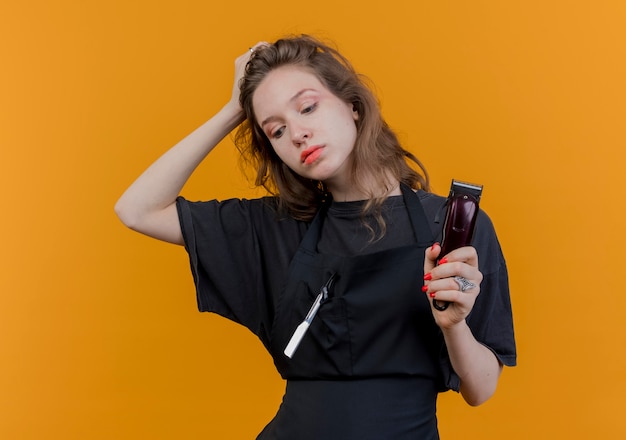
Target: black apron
368, 367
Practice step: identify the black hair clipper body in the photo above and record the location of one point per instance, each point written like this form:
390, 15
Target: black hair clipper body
458, 227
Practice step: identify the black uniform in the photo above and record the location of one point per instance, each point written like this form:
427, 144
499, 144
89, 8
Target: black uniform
373, 360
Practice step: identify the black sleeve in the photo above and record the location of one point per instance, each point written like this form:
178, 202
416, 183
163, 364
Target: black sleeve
238, 252
490, 320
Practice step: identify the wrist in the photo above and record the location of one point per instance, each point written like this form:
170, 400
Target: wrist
232, 114
455, 329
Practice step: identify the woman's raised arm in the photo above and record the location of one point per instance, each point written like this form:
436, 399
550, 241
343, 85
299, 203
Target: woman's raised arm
149, 204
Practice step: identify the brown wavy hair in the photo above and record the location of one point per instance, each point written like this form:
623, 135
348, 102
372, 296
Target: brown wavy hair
377, 153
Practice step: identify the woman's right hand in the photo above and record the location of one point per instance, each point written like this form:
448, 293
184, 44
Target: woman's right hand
240, 69
149, 204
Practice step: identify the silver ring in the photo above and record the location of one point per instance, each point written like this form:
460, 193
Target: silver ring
464, 284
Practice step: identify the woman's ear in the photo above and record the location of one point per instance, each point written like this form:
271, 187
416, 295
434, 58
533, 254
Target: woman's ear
355, 112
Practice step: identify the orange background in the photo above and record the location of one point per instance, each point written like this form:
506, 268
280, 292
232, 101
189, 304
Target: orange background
99, 333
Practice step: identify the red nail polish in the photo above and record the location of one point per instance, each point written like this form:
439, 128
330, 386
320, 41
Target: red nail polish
433, 246
444, 260
424, 289
428, 277
431, 294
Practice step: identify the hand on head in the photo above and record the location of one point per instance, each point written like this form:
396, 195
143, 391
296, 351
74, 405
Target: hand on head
240, 67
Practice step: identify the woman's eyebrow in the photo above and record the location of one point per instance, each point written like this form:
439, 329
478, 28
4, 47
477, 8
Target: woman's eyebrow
292, 99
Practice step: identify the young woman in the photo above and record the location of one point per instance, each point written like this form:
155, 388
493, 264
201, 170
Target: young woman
349, 226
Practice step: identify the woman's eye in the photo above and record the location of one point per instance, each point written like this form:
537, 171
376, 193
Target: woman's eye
278, 133
309, 108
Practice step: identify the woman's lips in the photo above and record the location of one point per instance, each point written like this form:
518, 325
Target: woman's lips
311, 154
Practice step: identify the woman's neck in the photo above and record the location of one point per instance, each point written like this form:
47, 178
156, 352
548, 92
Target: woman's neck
351, 193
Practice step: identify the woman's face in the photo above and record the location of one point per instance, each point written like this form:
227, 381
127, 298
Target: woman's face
310, 129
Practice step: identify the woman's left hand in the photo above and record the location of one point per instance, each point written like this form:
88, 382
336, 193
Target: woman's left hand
440, 284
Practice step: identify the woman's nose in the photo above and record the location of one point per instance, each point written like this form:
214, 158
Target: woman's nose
300, 135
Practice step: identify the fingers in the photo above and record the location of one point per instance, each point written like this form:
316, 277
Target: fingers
430, 260
245, 57
460, 262
466, 254
454, 279
258, 45
458, 304
448, 269
449, 289
240, 67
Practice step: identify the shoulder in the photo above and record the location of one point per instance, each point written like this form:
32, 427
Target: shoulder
431, 202
236, 216
233, 208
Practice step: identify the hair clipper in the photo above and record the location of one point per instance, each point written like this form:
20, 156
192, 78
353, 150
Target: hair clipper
458, 227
